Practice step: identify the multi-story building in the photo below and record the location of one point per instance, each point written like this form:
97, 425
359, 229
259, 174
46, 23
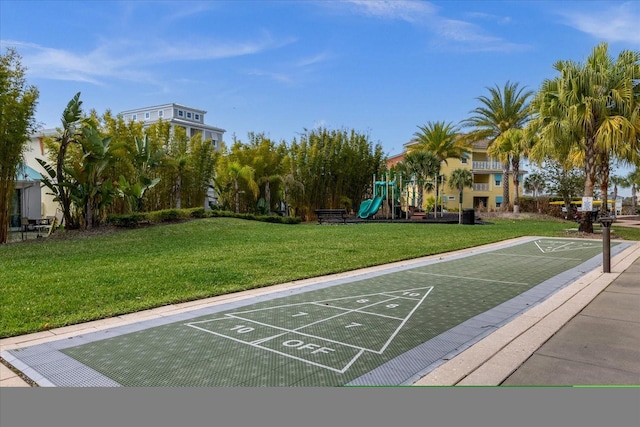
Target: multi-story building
188, 118
487, 179
31, 200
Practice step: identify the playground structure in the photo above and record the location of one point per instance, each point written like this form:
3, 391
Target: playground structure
398, 199
370, 207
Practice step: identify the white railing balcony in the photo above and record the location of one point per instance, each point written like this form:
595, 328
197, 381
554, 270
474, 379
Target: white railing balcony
487, 165
480, 187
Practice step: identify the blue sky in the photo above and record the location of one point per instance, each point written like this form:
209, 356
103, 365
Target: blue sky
279, 67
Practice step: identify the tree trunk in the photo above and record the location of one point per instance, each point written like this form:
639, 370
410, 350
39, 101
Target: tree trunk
516, 185
604, 186
267, 196
179, 191
590, 159
6, 191
237, 193
65, 199
435, 204
505, 187
88, 221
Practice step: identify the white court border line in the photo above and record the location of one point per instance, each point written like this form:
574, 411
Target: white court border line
258, 343
564, 246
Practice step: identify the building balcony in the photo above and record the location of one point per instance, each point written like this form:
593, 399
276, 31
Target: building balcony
487, 166
480, 187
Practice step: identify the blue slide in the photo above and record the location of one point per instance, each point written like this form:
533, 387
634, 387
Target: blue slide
369, 207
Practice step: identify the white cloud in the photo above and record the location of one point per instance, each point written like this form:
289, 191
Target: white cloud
615, 23
490, 17
407, 10
280, 77
448, 33
311, 60
127, 60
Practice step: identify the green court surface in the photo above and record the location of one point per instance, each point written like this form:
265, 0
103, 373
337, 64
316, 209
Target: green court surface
385, 328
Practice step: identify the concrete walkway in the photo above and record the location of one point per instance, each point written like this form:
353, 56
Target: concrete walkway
587, 333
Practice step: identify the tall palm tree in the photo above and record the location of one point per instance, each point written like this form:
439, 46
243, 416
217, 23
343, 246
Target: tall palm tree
459, 179
618, 181
634, 180
267, 180
510, 147
590, 110
441, 139
503, 109
245, 173
535, 183
422, 165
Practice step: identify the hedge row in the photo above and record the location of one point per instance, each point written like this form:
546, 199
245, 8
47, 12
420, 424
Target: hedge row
173, 215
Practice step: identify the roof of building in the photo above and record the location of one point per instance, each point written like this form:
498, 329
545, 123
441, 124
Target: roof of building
157, 107
195, 124
27, 173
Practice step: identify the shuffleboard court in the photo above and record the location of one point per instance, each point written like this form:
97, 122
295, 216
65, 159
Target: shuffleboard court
388, 327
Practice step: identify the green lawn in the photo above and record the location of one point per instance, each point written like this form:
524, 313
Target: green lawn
55, 282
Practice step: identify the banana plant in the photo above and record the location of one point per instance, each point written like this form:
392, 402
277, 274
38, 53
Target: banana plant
134, 192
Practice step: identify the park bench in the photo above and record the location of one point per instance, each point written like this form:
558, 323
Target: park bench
331, 215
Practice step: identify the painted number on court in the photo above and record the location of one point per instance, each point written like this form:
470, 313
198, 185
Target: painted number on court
241, 329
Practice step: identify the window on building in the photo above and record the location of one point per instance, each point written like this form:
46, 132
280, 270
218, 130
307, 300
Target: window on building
464, 160
147, 115
498, 181
188, 115
180, 113
134, 117
196, 116
160, 113
498, 201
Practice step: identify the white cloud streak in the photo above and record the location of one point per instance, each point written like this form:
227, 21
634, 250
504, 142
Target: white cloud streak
613, 22
127, 60
448, 33
406, 10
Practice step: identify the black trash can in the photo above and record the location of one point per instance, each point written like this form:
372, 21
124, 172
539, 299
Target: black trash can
468, 216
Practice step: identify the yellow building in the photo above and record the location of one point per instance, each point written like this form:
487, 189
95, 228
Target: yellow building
487, 174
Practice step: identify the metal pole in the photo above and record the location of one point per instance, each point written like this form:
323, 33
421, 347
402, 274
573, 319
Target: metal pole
606, 243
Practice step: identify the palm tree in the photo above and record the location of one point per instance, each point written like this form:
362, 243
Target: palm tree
422, 165
239, 172
91, 187
459, 179
590, 110
290, 183
618, 181
503, 109
535, 183
441, 139
634, 180
144, 160
267, 180
510, 146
